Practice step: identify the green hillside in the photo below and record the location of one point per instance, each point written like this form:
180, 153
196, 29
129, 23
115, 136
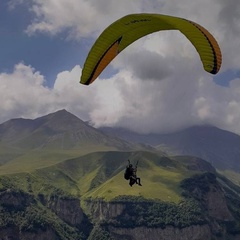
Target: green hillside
233, 176
100, 175
35, 159
174, 193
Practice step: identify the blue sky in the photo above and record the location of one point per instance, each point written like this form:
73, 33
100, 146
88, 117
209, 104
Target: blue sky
44, 44
224, 78
48, 54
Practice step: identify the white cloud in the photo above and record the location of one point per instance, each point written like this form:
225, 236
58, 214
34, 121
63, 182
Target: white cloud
22, 92
81, 18
134, 97
123, 100
53, 16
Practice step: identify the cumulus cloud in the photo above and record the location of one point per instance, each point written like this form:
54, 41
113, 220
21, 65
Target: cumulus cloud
55, 16
229, 16
123, 100
146, 65
160, 84
21, 91
24, 94
79, 17
168, 105
229, 30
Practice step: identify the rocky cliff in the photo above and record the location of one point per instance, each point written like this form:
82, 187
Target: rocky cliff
68, 209
26, 216
195, 232
14, 233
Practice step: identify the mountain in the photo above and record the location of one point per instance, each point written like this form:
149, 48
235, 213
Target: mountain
27, 144
61, 130
33, 143
217, 146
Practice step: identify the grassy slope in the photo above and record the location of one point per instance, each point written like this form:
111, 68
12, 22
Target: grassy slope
7, 153
232, 176
100, 175
36, 159
158, 183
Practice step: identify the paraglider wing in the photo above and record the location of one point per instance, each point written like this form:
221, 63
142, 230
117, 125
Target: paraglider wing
128, 29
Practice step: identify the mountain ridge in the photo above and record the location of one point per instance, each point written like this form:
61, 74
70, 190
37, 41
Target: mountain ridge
217, 146
53, 127
62, 133
33, 143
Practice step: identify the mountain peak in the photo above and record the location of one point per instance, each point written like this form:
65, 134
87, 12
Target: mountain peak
60, 113
58, 130
61, 120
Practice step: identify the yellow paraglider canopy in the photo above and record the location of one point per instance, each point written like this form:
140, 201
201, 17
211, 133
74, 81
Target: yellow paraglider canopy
128, 29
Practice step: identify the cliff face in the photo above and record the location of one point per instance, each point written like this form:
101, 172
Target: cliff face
217, 205
110, 212
67, 209
17, 200
208, 192
14, 204
101, 210
13, 233
169, 233
26, 216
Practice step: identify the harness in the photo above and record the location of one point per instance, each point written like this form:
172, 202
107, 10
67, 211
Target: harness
130, 171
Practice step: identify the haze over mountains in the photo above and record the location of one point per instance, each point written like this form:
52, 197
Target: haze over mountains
219, 147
